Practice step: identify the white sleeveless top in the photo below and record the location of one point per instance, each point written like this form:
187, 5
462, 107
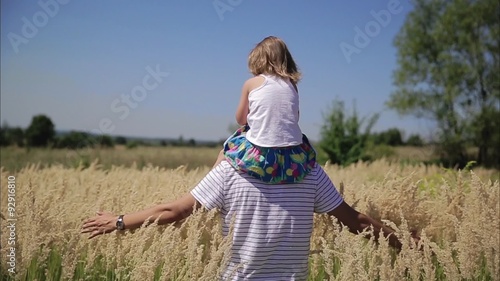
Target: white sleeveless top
273, 115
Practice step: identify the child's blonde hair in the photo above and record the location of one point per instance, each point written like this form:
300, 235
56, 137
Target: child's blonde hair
271, 56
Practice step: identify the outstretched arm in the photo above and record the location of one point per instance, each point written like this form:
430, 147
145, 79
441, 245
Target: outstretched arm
357, 222
329, 200
105, 222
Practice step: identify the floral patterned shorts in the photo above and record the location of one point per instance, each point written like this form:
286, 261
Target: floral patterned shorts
271, 165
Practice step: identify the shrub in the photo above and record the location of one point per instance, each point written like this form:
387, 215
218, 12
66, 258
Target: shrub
342, 137
40, 132
414, 140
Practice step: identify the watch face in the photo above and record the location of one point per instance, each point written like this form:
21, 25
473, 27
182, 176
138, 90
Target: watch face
119, 223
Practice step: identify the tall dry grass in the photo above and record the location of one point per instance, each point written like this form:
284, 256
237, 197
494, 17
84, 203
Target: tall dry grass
457, 215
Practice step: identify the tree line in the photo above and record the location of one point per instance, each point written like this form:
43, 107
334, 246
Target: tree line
41, 133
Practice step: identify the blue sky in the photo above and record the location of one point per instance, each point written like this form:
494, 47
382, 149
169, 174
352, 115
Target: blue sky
78, 61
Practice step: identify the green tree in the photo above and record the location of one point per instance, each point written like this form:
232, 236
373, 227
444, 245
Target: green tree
448, 61
121, 140
391, 137
191, 142
414, 140
3, 139
132, 144
15, 136
342, 136
40, 132
105, 141
179, 142
75, 140
9, 136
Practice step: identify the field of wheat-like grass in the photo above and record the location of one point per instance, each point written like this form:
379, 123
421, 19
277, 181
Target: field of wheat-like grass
455, 213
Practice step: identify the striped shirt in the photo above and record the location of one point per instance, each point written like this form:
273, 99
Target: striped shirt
273, 223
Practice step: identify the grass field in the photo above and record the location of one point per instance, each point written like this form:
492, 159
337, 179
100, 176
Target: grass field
14, 159
456, 213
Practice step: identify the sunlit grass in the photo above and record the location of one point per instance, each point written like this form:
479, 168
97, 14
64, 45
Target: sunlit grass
457, 214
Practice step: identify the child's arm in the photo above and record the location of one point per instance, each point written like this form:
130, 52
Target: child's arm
242, 110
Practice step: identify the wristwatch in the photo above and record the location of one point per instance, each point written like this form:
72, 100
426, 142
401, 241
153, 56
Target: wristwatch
119, 223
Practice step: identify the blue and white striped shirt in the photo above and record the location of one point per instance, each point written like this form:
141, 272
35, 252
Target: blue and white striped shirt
273, 223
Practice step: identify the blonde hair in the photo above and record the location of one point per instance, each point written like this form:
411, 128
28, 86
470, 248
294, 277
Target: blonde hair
271, 56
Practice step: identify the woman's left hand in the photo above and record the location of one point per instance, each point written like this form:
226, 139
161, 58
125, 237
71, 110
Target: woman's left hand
103, 222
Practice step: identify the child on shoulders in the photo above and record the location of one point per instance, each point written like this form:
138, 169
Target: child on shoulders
270, 145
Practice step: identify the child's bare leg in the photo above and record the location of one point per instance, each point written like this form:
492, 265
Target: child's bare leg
220, 158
